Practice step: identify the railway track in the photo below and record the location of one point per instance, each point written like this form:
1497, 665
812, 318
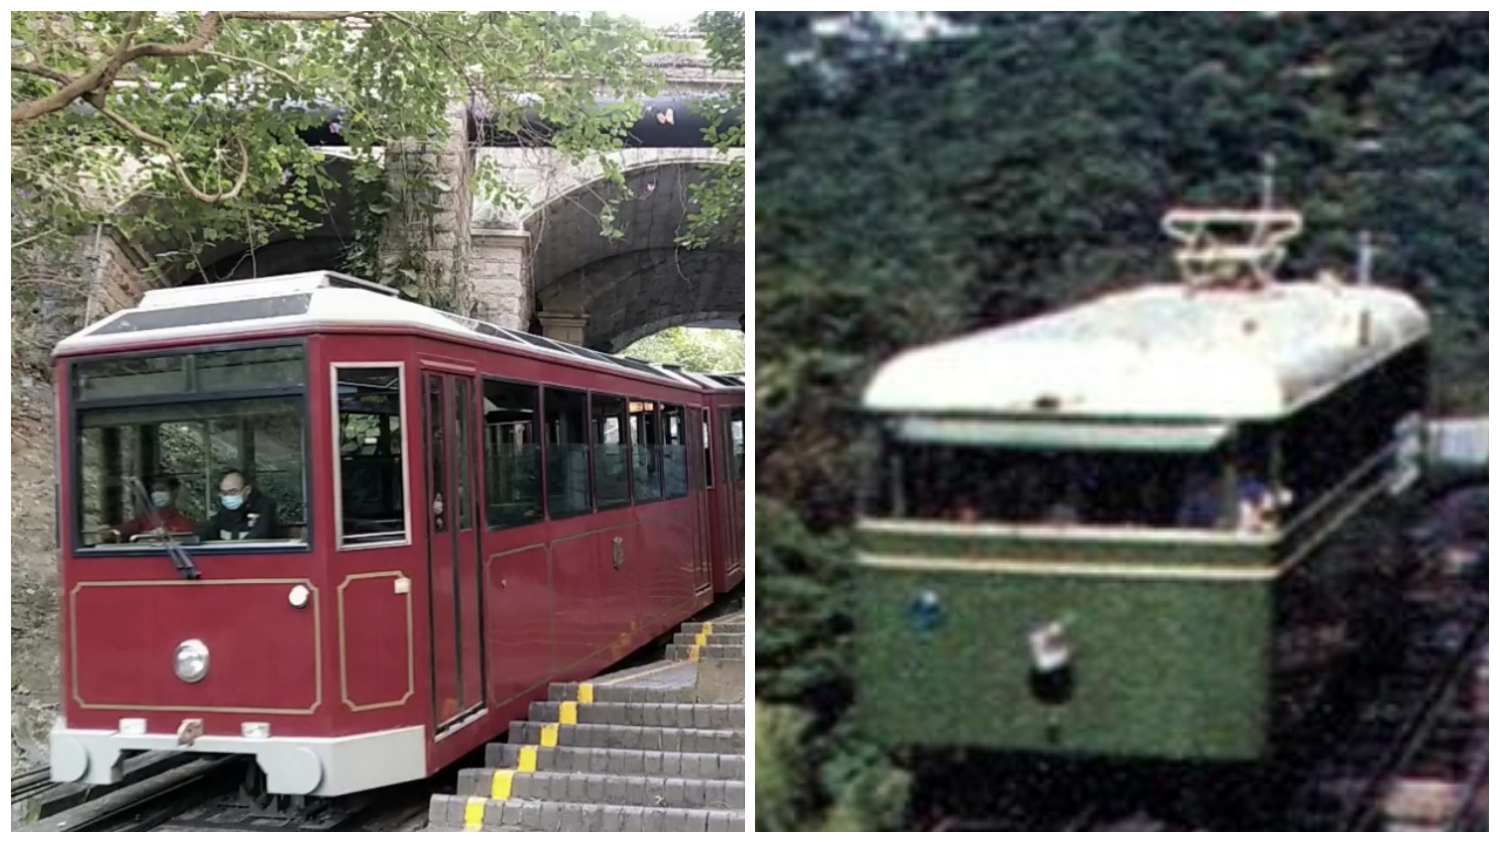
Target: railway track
1413, 754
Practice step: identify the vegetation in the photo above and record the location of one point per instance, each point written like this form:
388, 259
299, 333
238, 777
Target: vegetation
921, 176
190, 125
696, 349
721, 200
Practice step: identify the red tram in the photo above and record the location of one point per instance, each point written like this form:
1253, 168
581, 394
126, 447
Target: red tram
422, 520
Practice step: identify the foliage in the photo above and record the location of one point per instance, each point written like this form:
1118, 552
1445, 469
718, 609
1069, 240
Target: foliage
910, 186
720, 213
707, 350
190, 125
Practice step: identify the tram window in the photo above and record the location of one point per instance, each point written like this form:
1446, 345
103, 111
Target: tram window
463, 412
194, 443
237, 370
737, 440
674, 451
611, 451
372, 478
708, 449
567, 453
1032, 487
437, 446
645, 435
513, 455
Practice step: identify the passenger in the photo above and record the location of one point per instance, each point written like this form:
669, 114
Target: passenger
167, 519
1259, 504
244, 513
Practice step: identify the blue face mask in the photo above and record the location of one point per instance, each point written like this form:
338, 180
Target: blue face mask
232, 501
161, 499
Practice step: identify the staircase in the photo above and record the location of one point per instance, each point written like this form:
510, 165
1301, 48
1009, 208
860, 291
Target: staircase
654, 748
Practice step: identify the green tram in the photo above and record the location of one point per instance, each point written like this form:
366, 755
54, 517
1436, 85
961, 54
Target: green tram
1151, 526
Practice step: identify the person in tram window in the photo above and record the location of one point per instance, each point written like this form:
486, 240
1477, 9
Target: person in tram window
243, 514
162, 517
1259, 503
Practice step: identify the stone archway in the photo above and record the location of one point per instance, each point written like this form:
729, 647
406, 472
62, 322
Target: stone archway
602, 292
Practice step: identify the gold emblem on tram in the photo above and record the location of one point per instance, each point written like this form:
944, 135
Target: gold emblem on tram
619, 552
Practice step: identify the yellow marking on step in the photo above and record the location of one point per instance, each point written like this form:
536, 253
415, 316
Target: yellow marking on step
500, 786
693, 652
549, 734
568, 714
527, 762
474, 813
586, 692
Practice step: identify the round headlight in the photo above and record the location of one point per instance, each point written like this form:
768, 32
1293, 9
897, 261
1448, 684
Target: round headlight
191, 663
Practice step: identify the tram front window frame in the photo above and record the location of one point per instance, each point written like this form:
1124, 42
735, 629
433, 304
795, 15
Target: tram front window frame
1089, 485
245, 405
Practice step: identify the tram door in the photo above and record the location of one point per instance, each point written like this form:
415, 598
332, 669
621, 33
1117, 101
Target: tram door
703, 571
453, 548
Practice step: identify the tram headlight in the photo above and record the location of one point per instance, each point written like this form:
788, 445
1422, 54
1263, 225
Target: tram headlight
191, 663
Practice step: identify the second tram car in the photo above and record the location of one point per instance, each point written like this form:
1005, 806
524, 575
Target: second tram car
1149, 526
305, 520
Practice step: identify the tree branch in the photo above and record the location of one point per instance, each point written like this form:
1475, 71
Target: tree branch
42, 71
97, 101
287, 77
102, 76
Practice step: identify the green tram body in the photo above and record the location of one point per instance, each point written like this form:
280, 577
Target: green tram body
1202, 645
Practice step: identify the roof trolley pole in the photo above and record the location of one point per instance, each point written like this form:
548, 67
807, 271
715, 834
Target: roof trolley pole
1225, 248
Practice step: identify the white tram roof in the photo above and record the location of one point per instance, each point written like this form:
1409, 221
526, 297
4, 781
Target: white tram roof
312, 301
1158, 352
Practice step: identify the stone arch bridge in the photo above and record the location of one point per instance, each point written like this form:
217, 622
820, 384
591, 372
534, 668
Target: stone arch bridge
541, 264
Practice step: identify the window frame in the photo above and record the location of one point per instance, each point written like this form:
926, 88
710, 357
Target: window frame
653, 421
708, 447
78, 406
687, 477
540, 407
625, 439
588, 444
337, 457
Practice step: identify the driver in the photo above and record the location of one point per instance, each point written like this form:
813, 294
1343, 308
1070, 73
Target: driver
243, 513
167, 517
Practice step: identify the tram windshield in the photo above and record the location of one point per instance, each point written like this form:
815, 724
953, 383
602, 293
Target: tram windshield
205, 446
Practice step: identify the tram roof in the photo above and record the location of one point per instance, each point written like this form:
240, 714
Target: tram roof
1159, 352
312, 301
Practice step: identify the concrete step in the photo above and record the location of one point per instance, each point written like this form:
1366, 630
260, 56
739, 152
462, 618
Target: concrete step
655, 715
604, 789
603, 736
657, 747
578, 691
639, 762
722, 639
680, 652
733, 627
477, 813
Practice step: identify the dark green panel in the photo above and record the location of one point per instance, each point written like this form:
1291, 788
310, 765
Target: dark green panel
1171, 669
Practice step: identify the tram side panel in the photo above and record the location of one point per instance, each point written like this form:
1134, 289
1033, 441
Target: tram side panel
1113, 658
